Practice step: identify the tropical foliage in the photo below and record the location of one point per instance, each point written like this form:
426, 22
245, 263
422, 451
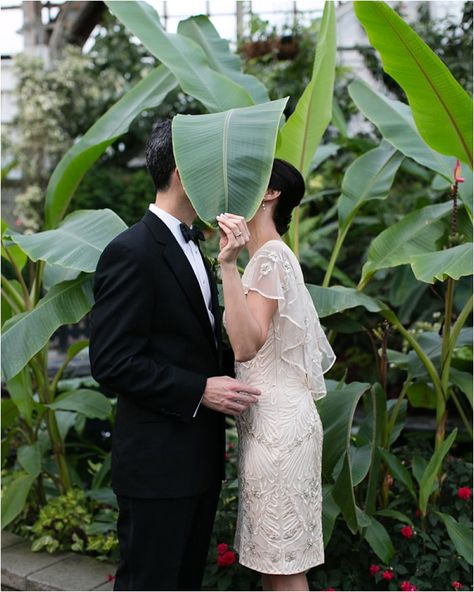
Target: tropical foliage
48, 278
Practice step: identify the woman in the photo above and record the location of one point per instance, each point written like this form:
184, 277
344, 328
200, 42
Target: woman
280, 348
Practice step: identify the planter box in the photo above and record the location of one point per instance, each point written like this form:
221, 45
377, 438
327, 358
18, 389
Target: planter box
24, 570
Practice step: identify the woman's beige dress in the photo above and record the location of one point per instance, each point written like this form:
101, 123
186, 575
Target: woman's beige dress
280, 437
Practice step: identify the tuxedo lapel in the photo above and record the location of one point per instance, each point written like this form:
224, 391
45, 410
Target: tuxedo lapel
216, 311
180, 267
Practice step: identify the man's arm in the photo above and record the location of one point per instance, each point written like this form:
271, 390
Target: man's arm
120, 331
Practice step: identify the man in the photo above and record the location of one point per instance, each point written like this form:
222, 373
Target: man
155, 341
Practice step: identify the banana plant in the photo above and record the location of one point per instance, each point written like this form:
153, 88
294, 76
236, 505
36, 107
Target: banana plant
436, 99
351, 463
39, 414
300, 136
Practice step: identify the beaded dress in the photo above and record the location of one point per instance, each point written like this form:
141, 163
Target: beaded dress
280, 437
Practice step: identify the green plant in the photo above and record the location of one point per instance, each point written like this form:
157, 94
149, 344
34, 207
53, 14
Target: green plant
76, 522
48, 276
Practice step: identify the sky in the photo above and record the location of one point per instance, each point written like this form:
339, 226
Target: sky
222, 15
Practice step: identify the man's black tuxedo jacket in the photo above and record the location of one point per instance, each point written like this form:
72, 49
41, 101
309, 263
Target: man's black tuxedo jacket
152, 343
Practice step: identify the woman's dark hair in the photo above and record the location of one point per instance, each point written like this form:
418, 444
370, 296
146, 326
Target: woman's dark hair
159, 154
289, 181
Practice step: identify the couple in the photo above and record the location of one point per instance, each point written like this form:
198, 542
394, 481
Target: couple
156, 342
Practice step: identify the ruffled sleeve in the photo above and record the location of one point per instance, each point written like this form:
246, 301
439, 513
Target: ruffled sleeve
274, 272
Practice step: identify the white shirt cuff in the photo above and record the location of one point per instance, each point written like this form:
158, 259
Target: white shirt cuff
197, 408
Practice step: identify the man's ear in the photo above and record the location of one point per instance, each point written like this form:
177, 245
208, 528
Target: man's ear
175, 178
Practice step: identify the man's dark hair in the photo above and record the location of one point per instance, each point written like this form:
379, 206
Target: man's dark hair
287, 179
159, 155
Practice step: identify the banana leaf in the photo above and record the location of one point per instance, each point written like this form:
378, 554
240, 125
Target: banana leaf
77, 243
182, 56
302, 133
87, 402
337, 410
460, 534
442, 109
14, 497
432, 469
415, 234
26, 333
455, 262
369, 177
29, 457
395, 122
225, 159
201, 30
328, 301
148, 93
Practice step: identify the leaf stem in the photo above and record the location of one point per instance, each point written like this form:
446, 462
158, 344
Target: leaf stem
12, 294
19, 276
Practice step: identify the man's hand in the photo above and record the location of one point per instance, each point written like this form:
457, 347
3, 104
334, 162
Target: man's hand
227, 395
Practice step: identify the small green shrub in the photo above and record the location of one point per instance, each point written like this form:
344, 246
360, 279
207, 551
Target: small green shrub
75, 522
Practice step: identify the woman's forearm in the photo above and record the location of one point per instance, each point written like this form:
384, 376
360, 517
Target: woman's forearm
245, 334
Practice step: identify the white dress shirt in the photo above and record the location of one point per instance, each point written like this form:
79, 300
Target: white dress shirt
191, 251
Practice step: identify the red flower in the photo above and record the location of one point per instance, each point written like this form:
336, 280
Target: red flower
464, 493
374, 569
458, 172
110, 578
457, 585
407, 586
388, 574
226, 559
407, 532
222, 548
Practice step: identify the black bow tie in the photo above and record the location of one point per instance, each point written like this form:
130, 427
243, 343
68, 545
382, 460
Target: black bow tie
193, 234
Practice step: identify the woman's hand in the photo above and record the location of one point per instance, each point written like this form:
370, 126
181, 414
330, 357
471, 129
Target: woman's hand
234, 236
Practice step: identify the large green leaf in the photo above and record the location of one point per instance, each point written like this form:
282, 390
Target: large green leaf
415, 234
329, 514
432, 470
460, 534
395, 122
10, 251
9, 414
437, 100
29, 457
14, 497
304, 129
398, 470
21, 393
455, 263
337, 412
335, 299
367, 178
148, 93
379, 540
202, 31
182, 56
25, 334
77, 243
225, 159
90, 403
463, 380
